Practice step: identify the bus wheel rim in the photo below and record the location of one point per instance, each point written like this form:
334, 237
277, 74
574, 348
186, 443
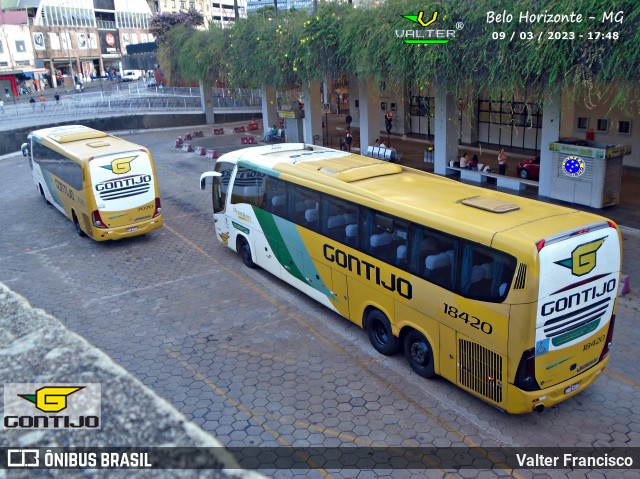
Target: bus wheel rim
419, 352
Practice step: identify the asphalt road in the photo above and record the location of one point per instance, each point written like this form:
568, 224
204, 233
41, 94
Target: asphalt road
257, 363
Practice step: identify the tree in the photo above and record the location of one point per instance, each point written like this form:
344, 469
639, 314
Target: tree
161, 23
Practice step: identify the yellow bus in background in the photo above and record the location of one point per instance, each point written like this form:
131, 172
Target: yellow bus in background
509, 298
105, 185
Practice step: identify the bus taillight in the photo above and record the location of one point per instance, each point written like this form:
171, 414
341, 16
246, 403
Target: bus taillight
158, 210
97, 220
607, 344
526, 374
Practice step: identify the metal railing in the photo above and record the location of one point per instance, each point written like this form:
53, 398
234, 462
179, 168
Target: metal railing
120, 99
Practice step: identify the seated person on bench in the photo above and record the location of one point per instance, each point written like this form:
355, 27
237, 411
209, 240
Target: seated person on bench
271, 135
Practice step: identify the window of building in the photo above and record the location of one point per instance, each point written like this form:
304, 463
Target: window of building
20, 46
603, 124
1, 47
624, 127
583, 123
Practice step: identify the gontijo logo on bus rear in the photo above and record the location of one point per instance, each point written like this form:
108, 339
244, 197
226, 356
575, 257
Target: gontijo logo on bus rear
120, 166
583, 258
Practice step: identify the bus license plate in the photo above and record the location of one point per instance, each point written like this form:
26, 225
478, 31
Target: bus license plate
573, 387
132, 229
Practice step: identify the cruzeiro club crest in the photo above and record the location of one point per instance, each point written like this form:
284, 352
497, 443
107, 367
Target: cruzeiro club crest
120, 166
573, 166
583, 258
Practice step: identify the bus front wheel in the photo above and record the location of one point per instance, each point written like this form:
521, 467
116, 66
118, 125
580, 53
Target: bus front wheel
419, 354
380, 334
244, 250
43, 195
76, 223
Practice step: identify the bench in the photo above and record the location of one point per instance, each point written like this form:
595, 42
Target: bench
385, 154
502, 181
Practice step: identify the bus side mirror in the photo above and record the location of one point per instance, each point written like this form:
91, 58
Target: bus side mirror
205, 175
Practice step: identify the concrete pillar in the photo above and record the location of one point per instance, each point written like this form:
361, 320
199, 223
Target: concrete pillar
326, 88
52, 71
206, 93
445, 129
369, 101
312, 123
269, 107
550, 133
354, 102
469, 133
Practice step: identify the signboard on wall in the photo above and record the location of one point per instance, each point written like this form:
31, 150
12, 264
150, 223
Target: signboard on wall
109, 41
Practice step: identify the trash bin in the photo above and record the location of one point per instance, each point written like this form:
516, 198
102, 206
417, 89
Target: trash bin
428, 154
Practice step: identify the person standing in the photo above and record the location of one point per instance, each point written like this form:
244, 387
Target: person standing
2, 106
348, 139
388, 119
502, 162
33, 103
57, 98
43, 100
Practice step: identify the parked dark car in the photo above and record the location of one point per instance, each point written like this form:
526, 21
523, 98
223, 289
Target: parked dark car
529, 169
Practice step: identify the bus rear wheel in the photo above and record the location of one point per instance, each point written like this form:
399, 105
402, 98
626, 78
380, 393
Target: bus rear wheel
76, 223
244, 250
380, 334
419, 354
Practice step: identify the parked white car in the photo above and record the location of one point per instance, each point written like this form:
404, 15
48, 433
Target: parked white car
131, 75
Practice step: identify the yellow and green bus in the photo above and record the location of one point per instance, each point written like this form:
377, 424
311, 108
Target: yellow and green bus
509, 298
105, 185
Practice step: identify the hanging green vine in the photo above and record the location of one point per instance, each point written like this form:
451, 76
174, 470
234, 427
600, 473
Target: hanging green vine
483, 55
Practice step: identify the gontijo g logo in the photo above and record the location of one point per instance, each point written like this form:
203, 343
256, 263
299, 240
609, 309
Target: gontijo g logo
120, 166
583, 258
51, 399
426, 36
36, 406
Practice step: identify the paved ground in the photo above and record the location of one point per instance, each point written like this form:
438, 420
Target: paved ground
253, 361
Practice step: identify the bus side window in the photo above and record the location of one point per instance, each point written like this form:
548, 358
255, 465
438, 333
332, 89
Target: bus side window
337, 215
303, 207
433, 257
275, 197
486, 273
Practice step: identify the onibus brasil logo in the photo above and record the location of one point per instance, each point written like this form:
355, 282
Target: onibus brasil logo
425, 35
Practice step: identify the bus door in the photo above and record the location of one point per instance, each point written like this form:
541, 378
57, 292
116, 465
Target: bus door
124, 187
579, 276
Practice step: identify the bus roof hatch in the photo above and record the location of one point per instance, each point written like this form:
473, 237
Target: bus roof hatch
489, 204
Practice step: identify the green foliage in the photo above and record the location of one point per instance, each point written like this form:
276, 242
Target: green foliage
367, 42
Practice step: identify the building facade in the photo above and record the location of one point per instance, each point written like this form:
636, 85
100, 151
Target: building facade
46, 43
